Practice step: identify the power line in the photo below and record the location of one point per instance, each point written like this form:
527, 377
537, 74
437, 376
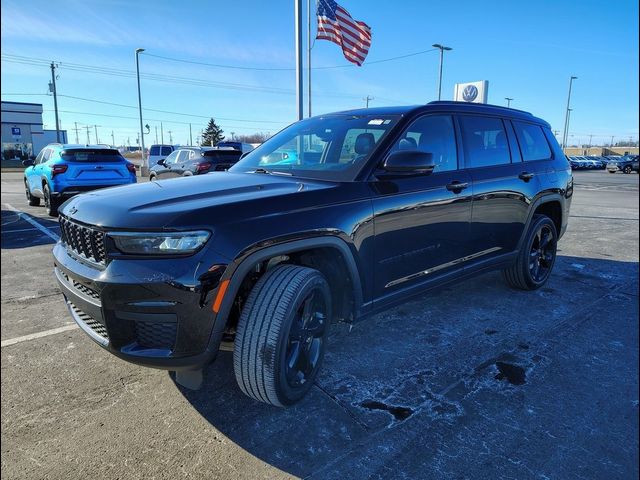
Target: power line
277, 69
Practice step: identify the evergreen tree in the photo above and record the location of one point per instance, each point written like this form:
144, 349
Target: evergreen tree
212, 134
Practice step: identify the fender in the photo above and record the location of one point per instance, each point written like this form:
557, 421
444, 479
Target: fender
546, 198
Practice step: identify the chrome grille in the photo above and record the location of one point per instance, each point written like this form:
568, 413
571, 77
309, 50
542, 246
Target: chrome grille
84, 241
91, 322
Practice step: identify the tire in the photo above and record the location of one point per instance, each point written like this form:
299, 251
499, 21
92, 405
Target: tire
282, 335
33, 201
152, 178
50, 204
627, 169
535, 261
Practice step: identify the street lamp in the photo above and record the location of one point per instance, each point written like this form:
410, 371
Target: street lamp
144, 170
566, 120
569, 110
508, 101
442, 48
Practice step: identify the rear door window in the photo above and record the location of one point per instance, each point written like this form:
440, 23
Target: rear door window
485, 141
533, 144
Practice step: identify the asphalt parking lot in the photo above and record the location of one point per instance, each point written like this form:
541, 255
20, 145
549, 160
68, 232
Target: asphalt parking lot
472, 381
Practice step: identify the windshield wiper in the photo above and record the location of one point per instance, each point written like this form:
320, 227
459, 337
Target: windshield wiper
272, 172
261, 170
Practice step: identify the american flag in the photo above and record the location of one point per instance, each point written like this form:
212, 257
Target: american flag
336, 25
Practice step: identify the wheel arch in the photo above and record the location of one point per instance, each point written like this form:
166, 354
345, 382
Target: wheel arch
306, 252
550, 205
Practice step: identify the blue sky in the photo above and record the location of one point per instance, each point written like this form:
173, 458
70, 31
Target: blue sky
525, 50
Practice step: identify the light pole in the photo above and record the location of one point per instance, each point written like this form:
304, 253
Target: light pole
508, 101
442, 49
569, 110
566, 120
144, 170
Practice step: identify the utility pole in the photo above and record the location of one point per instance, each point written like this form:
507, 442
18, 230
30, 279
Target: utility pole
170, 138
612, 137
233, 135
556, 132
566, 120
190, 136
156, 134
442, 49
161, 133
298, 35
590, 138
88, 139
55, 99
508, 101
76, 129
113, 139
96, 132
367, 99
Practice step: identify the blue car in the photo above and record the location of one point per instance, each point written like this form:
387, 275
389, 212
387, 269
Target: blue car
61, 171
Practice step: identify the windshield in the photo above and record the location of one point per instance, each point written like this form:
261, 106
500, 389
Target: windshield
333, 147
84, 155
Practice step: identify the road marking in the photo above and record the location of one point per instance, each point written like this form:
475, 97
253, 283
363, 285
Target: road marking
33, 336
21, 230
28, 219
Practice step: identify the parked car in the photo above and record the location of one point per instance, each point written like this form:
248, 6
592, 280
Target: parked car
626, 164
160, 152
187, 161
243, 147
61, 171
269, 256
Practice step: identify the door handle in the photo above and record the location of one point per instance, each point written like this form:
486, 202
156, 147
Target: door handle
456, 186
526, 176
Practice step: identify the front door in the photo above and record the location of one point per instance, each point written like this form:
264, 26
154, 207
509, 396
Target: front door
422, 222
169, 165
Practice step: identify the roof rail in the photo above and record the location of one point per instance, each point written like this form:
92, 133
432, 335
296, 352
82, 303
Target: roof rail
451, 102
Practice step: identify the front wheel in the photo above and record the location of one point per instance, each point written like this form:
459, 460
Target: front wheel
50, 203
282, 334
536, 258
33, 201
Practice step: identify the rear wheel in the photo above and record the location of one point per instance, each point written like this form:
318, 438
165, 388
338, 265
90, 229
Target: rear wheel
50, 204
33, 201
282, 334
627, 169
536, 258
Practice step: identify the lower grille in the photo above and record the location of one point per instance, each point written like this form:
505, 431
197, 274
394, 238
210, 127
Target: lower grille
78, 286
156, 334
89, 321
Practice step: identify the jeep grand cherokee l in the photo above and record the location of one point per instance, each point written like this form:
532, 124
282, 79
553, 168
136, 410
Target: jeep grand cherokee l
379, 205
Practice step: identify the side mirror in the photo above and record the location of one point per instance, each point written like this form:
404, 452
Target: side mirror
409, 162
28, 163
161, 162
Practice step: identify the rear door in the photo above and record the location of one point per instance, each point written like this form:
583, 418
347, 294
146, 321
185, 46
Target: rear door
421, 222
503, 186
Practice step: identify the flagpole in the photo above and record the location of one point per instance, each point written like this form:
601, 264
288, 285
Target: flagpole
298, 33
309, 52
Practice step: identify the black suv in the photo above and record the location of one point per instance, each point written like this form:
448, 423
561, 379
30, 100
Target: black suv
626, 164
187, 161
367, 209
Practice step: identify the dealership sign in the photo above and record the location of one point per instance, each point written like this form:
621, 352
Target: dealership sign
471, 92
15, 131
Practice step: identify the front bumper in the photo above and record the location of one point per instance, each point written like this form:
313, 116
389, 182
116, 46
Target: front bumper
132, 309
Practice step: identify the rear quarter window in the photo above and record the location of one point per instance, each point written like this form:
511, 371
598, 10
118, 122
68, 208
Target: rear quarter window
533, 143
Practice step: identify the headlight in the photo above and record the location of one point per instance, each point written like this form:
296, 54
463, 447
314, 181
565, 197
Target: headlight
169, 243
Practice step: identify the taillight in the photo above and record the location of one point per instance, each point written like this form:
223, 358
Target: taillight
203, 167
131, 167
60, 168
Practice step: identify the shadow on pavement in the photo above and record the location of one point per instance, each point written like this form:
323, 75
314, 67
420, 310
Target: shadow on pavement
19, 233
416, 380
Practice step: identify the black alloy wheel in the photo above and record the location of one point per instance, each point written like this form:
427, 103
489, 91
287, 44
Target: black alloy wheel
542, 254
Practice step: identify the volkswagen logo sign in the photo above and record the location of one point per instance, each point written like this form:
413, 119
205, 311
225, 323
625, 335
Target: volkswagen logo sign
470, 93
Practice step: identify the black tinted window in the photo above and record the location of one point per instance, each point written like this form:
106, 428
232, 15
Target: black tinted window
84, 155
154, 150
225, 156
485, 141
432, 134
166, 150
533, 143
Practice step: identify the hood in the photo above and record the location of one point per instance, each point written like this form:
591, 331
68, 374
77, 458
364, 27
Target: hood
159, 204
